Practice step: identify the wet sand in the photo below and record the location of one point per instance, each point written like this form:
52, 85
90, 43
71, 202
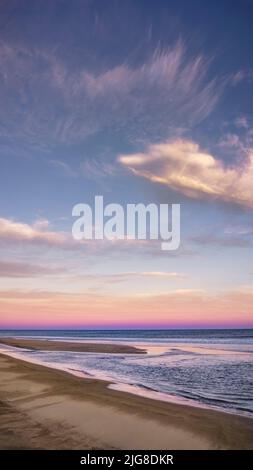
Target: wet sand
42, 408
49, 345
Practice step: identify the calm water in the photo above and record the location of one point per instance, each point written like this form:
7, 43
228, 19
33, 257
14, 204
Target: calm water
204, 367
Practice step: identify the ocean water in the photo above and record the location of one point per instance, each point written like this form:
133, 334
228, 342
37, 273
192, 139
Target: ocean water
210, 368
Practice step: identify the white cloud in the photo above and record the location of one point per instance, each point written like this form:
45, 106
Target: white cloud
184, 166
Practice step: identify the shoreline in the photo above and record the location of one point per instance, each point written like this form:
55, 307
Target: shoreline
49, 345
94, 416
136, 390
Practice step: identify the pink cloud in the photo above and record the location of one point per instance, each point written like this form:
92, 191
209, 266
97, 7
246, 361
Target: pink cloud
38, 233
19, 269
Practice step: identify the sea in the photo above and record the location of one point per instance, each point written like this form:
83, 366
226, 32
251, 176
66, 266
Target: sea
204, 368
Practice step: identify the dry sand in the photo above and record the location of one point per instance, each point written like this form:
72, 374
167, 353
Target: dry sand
42, 408
49, 345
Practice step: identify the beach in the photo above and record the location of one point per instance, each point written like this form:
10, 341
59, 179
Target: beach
45, 408
46, 345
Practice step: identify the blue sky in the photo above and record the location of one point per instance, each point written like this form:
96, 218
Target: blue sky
85, 87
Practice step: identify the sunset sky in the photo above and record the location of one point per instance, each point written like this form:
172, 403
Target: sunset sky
138, 101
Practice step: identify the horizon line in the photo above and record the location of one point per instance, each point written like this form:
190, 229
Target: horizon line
128, 329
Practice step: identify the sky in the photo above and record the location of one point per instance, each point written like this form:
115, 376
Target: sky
141, 102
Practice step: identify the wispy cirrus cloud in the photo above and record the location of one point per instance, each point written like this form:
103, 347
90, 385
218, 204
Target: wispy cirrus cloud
90, 168
242, 75
64, 168
133, 275
56, 104
183, 166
